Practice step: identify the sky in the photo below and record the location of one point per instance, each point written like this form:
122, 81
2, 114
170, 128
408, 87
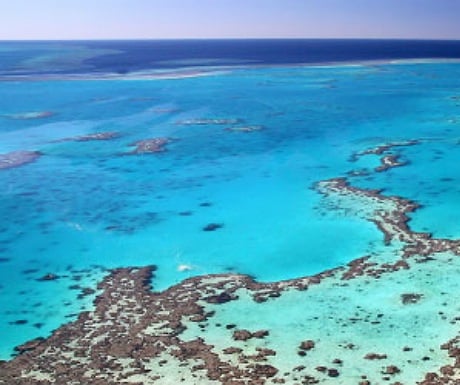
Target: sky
161, 19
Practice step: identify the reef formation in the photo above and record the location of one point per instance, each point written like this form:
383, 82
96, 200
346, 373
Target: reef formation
18, 158
31, 115
91, 137
150, 146
137, 336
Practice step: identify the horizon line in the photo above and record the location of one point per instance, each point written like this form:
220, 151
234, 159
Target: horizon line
231, 38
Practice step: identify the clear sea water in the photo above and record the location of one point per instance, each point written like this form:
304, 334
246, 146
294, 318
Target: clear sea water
84, 207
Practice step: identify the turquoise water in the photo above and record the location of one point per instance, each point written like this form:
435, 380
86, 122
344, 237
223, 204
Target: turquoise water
84, 207
365, 313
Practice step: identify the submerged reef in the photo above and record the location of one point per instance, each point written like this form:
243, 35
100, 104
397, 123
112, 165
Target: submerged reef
384, 148
245, 128
137, 336
389, 214
150, 146
386, 318
206, 122
388, 159
91, 137
18, 158
31, 115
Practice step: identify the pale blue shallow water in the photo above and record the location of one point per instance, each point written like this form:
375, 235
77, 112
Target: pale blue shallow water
84, 206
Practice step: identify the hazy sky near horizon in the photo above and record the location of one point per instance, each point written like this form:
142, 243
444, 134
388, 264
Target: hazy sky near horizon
112, 19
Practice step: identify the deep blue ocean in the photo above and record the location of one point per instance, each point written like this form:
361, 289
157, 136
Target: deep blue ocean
129, 56
249, 128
